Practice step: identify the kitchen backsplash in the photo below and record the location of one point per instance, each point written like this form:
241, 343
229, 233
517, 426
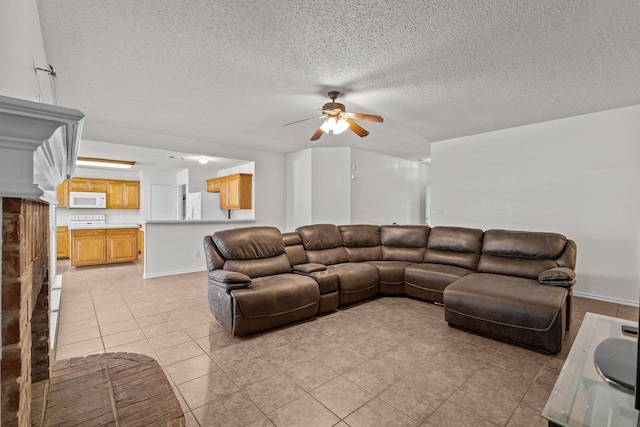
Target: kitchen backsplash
114, 216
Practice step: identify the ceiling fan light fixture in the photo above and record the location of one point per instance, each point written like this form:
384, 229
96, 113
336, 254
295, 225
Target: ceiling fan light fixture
329, 125
341, 126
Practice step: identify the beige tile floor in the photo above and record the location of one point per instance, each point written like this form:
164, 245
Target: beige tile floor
387, 362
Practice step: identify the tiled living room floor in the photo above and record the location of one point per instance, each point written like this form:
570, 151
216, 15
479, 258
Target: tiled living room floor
386, 362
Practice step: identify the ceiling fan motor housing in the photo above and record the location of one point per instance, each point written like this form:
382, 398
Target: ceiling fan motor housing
330, 106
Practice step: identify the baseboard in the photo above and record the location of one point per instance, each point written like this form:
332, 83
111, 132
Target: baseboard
172, 273
606, 299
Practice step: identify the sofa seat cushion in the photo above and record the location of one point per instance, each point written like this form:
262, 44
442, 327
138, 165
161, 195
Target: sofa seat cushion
390, 272
358, 281
506, 301
275, 295
428, 281
391, 276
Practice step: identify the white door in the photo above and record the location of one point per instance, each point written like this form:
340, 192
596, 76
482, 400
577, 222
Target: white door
162, 202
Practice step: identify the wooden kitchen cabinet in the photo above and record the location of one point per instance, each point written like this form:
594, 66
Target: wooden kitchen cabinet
62, 242
103, 246
122, 245
141, 241
88, 247
62, 194
120, 194
235, 190
214, 184
90, 185
123, 194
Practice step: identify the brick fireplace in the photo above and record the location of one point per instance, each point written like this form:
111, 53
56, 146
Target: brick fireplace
25, 305
38, 149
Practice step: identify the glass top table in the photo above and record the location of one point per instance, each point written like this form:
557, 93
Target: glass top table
581, 396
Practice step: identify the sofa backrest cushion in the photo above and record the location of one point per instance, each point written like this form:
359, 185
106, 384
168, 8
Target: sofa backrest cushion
361, 242
323, 244
568, 256
254, 251
404, 242
456, 246
211, 253
294, 249
520, 253
259, 267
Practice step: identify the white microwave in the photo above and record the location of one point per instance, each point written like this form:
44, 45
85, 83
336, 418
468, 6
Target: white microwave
86, 200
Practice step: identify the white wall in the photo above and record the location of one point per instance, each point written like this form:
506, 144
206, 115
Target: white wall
198, 180
387, 190
299, 189
578, 176
318, 187
331, 180
21, 51
183, 178
348, 186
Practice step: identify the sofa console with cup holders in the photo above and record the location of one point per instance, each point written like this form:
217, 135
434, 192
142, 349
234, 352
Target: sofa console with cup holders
512, 285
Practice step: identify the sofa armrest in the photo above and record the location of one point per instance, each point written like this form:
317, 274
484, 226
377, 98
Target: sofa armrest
558, 276
229, 280
327, 282
308, 268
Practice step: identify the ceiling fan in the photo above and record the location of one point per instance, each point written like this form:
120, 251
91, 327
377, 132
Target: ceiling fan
338, 120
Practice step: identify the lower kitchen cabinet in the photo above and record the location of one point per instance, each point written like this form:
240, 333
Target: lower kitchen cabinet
62, 242
88, 247
141, 242
122, 245
103, 246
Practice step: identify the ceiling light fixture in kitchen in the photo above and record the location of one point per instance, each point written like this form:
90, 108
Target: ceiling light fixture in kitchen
104, 163
203, 160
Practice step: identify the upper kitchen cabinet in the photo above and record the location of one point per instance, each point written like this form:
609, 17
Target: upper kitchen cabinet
235, 190
62, 194
120, 194
123, 194
88, 184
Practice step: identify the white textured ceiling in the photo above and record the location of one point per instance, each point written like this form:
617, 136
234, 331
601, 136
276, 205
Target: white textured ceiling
235, 71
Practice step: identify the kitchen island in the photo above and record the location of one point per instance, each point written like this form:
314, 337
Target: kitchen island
175, 246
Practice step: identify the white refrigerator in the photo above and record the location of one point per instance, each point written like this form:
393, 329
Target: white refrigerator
204, 205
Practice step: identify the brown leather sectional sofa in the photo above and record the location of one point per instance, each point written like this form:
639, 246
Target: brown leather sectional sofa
513, 285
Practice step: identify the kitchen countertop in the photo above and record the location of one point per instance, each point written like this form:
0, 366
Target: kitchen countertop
101, 227
196, 221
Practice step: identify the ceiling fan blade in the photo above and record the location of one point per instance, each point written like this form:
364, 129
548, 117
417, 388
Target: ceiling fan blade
303, 120
357, 129
318, 133
369, 117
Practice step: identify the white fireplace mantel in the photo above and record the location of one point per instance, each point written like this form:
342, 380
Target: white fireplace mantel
38, 146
